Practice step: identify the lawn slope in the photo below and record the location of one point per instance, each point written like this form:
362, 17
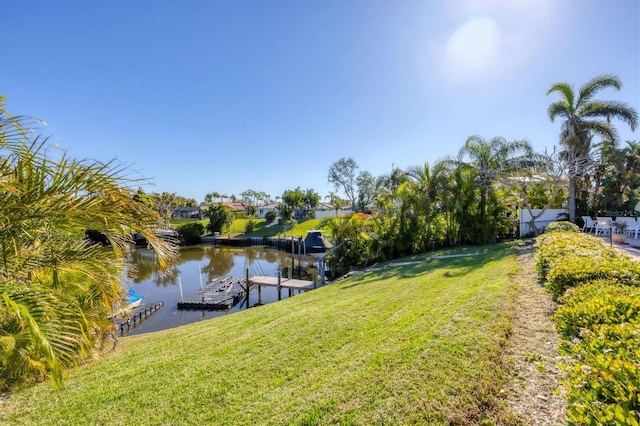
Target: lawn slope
420, 343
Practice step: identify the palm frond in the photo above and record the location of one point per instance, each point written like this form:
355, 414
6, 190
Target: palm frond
566, 92
593, 86
611, 109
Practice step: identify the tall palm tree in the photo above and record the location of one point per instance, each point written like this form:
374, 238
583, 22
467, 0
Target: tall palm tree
489, 160
583, 118
425, 180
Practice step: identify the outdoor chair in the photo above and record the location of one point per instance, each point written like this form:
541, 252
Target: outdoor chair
633, 230
589, 224
603, 226
629, 222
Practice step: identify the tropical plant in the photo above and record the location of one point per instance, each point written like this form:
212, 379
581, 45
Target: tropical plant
270, 216
618, 178
57, 290
352, 234
285, 212
191, 232
335, 201
220, 216
584, 117
488, 161
425, 181
301, 202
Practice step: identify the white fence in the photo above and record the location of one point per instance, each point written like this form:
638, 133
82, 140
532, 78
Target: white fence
549, 215
321, 214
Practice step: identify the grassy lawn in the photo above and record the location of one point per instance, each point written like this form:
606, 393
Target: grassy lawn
415, 344
260, 227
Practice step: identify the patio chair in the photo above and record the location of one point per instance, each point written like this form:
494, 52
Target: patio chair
633, 230
630, 222
589, 224
603, 226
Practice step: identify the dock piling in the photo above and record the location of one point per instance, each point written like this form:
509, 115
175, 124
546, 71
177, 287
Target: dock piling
279, 284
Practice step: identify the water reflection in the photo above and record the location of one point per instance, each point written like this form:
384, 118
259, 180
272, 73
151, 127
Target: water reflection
220, 262
194, 267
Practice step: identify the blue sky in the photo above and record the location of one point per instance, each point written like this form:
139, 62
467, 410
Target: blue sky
225, 96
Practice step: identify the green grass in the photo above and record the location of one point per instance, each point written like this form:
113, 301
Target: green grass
174, 223
262, 230
260, 227
300, 229
417, 344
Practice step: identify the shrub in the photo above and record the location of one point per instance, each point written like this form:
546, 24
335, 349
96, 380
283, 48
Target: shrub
599, 322
601, 303
562, 226
603, 380
220, 216
574, 271
270, 217
557, 247
191, 232
249, 225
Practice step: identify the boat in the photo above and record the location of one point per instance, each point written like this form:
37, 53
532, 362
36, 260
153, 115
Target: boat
314, 242
133, 300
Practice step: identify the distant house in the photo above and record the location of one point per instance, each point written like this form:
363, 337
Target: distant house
262, 211
194, 213
325, 210
236, 206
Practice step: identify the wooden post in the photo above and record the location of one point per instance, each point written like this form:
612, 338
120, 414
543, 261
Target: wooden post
299, 258
246, 283
259, 294
279, 279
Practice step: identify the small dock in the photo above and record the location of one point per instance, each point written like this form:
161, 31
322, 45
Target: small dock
139, 314
279, 283
291, 284
221, 294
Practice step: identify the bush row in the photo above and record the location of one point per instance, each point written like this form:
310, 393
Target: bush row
567, 259
598, 289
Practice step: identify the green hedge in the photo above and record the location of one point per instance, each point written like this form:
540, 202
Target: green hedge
574, 271
592, 305
602, 380
598, 289
555, 247
562, 226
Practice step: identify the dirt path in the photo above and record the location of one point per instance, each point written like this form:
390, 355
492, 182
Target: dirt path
532, 392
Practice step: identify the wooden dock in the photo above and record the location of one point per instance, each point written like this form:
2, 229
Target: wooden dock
279, 283
291, 284
139, 314
221, 294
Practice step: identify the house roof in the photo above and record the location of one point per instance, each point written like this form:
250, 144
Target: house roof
236, 206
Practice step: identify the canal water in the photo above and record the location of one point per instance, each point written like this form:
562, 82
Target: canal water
196, 266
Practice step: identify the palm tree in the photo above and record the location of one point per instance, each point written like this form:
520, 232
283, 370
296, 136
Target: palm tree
56, 289
489, 160
583, 118
425, 180
335, 201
